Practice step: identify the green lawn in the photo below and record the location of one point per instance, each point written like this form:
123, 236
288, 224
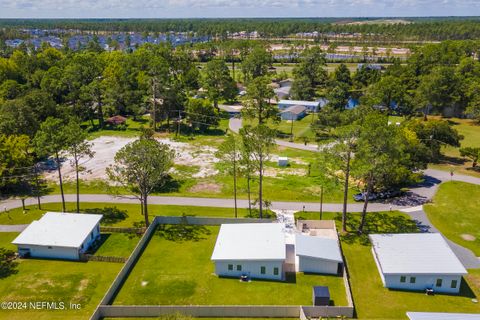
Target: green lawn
117, 244
16, 216
180, 272
372, 300
455, 212
55, 281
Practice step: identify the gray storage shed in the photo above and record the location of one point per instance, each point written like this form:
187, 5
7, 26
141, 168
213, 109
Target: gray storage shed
321, 296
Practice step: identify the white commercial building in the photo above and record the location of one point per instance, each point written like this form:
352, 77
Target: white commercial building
59, 236
256, 250
442, 316
317, 254
417, 261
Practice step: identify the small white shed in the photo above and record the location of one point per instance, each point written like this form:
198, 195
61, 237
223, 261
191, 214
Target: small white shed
317, 254
282, 161
257, 250
417, 261
59, 236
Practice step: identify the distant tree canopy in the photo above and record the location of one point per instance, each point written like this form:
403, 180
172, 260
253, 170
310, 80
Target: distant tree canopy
428, 28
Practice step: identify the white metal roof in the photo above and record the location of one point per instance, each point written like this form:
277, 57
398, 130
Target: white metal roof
299, 102
59, 229
250, 241
317, 247
415, 253
442, 316
296, 109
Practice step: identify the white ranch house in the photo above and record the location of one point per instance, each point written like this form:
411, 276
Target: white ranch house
417, 261
256, 250
59, 236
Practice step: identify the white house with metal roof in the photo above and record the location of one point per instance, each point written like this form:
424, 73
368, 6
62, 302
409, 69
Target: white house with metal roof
59, 236
317, 254
256, 250
417, 261
311, 106
442, 316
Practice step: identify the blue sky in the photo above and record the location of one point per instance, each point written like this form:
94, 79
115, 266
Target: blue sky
233, 8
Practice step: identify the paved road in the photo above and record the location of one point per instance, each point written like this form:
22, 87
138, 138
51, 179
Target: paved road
199, 202
235, 124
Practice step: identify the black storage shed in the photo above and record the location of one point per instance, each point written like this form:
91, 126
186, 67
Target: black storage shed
321, 296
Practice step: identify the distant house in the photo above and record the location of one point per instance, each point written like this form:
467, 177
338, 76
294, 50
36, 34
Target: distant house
317, 254
370, 66
256, 250
294, 113
233, 110
311, 106
282, 92
442, 316
116, 120
59, 236
417, 261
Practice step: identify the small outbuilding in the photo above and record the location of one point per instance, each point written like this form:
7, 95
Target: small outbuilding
282, 161
417, 261
321, 296
253, 250
294, 113
59, 236
317, 254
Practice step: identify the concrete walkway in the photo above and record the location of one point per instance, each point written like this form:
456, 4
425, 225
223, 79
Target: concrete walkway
13, 228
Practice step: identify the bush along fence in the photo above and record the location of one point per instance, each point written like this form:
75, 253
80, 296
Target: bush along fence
122, 230
106, 309
91, 257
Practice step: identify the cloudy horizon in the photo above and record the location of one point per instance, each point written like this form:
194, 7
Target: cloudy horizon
234, 8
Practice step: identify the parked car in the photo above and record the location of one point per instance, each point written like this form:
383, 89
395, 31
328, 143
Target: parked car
386, 194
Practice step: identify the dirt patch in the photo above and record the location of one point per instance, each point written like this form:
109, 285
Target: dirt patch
105, 149
468, 237
83, 284
206, 187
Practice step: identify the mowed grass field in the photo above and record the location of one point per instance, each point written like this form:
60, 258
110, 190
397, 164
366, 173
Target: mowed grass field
455, 211
176, 271
16, 216
37, 280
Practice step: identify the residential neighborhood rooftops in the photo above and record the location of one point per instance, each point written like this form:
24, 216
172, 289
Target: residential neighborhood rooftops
442, 316
317, 247
59, 229
299, 102
295, 109
250, 241
415, 253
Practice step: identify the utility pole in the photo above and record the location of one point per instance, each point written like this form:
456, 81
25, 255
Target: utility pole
321, 202
37, 186
178, 123
291, 131
154, 102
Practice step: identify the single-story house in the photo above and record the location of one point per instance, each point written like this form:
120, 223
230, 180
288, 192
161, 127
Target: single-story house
311, 106
59, 236
294, 113
317, 254
256, 250
417, 261
233, 110
282, 92
116, 120
442, 316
